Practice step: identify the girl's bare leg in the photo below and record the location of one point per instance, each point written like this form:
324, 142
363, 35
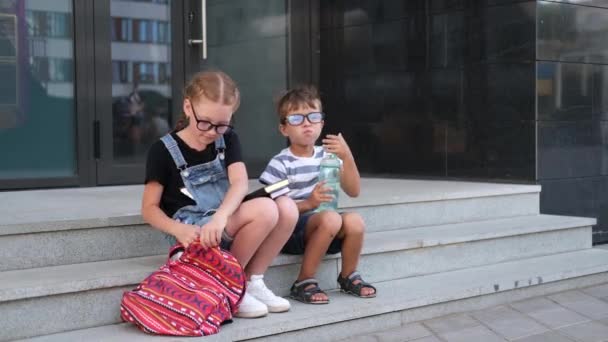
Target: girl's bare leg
250, 225
280, 233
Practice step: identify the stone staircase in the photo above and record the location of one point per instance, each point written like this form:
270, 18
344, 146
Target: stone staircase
432, 247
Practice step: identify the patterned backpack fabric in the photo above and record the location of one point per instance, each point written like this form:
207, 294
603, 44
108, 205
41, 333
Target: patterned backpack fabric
189, 296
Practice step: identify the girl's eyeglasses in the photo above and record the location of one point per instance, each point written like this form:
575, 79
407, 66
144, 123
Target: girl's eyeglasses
298, 119
204, 125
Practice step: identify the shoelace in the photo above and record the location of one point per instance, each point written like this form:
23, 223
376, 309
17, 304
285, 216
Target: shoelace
265, 291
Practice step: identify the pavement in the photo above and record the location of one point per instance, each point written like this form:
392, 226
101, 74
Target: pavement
578, 315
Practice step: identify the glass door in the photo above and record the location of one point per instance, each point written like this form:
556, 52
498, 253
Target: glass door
37, 94
252, 41
134, 84
88, 85
145, 50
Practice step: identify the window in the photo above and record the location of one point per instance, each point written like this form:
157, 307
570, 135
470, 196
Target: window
49, 24
140, 30
144, 72
121, 72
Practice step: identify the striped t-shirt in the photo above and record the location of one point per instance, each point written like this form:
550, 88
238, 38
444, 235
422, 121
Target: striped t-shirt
302, 172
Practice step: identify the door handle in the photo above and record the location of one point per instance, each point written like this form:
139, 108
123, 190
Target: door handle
203, 40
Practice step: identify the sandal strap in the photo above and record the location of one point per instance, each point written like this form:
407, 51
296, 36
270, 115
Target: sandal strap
348, 282
350, 278
354, 276
306, 281
362, 284
299, 289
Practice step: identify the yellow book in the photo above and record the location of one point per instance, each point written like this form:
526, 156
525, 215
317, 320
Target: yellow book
273, 190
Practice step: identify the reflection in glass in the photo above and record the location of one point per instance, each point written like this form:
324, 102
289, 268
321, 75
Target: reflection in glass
248, 40
572, 33
446, 90
36, 89
8, 69
141, 75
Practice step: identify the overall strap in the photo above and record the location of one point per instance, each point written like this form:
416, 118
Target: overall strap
173, 149
220, 146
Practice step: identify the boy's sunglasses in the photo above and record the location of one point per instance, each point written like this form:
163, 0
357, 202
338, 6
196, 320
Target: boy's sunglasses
298, 119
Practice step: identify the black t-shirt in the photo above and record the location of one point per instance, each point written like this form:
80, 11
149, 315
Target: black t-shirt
161, 168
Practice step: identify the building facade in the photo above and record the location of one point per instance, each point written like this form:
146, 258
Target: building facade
485, 90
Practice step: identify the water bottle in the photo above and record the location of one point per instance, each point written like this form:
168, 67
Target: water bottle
329, 172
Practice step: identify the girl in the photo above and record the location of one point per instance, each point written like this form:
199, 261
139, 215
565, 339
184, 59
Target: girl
196, 180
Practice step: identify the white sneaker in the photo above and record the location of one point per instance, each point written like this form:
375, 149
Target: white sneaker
251, 307
258, 289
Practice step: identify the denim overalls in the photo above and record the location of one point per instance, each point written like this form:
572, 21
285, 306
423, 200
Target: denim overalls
207, 184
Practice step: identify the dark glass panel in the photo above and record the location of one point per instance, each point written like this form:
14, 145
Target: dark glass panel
448, 39
447, 89
500, 92
392, 46
389, 77
587, 197
600, 92
568, 149
509, 32
565, 91
447, 5
502, 150
603, 126
596, 3
572, 33
341, 13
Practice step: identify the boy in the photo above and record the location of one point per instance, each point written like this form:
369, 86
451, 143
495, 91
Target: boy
316, 233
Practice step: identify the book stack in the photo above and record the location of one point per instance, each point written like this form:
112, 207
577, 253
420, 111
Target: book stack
273, 190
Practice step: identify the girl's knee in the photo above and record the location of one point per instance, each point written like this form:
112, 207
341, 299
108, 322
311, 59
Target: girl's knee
266, 210
353, 223
288, 210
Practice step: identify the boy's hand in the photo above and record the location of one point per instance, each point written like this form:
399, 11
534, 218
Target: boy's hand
187, 234
337, 145
319, 195
211, 232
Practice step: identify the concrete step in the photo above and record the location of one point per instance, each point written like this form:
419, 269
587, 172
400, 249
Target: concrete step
387, 255
398, 301
445, 247
70, 226
404, 253
388, 204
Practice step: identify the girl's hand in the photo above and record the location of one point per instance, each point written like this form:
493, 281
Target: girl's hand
211, 232
319, 195
187, 234
337, 145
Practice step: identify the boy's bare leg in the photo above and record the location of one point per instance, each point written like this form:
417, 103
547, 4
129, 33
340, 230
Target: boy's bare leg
250, 225
352, 232
271, 246
321, 229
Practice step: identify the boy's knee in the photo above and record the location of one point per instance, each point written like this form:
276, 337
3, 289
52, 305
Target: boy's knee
353, 223
330, 222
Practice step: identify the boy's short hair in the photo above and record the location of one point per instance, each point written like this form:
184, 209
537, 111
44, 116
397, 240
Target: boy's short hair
301, 96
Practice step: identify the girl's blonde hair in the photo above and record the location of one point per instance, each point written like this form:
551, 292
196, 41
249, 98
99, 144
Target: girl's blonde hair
215, 86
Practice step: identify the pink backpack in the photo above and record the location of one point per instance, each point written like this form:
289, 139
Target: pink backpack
190, 296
